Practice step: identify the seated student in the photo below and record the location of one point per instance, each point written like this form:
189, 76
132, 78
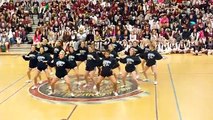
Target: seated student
4, 42
182, 47
173, 46
202, 46
196, 48
164, 48
209, 46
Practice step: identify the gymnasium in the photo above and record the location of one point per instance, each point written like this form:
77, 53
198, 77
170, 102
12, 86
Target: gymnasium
106, 59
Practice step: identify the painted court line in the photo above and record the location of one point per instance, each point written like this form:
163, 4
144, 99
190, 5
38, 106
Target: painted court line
72, 112
12, 84
14, 93
174, 91
156, 102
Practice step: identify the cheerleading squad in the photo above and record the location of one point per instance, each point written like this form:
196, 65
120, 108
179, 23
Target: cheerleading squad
44, 57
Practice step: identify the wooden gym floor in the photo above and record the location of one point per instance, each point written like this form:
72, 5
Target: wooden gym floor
184, 92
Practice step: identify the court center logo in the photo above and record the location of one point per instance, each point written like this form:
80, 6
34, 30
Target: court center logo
86, 94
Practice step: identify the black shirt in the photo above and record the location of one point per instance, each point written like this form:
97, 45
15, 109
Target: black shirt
61, 64
42, 59
151, 57
131, 61
32, 56
56, 28
56, 52
92, 59
82, 53
117, 46
107, 64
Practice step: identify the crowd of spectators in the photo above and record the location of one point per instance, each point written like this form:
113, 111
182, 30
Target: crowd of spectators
15, 23
178, 26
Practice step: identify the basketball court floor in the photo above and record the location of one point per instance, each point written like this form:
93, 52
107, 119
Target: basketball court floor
184, 92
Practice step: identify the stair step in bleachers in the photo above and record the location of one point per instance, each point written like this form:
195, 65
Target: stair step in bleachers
22, 46
17, 50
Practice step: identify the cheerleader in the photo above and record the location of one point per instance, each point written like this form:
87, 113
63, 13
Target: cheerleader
61, 64
131, 61
42, 59
57, 49
107, 64
151, 56
31, 57
114, 55
126, 46
117, 46
137, 48
71, 57
48, 50
145, 50
91, 63
100, 55
138, 51
81, 53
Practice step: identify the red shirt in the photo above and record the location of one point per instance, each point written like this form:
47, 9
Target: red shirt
160, 1
17, 34
179, 1
10, 7
164, 20
43, 3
